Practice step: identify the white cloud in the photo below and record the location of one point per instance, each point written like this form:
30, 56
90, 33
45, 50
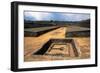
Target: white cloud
38, 15
76, 16
57, 16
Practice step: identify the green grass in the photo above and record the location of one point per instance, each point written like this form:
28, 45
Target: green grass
39, 28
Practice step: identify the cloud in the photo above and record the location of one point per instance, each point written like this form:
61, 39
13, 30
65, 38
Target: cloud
76, 16
39, 16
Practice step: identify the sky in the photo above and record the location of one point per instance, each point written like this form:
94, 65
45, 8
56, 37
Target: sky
55, 16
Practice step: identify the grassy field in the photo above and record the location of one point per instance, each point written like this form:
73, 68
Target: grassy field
37, 29
76, 28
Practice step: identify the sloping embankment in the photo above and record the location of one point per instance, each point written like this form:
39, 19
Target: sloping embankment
39, 32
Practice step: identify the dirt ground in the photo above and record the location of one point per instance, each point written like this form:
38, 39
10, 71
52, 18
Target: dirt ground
32, 44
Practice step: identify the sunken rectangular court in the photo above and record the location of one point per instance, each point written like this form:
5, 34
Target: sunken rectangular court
57, 45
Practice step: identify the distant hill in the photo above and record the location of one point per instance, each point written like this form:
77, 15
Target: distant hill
30, 24
85, 23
